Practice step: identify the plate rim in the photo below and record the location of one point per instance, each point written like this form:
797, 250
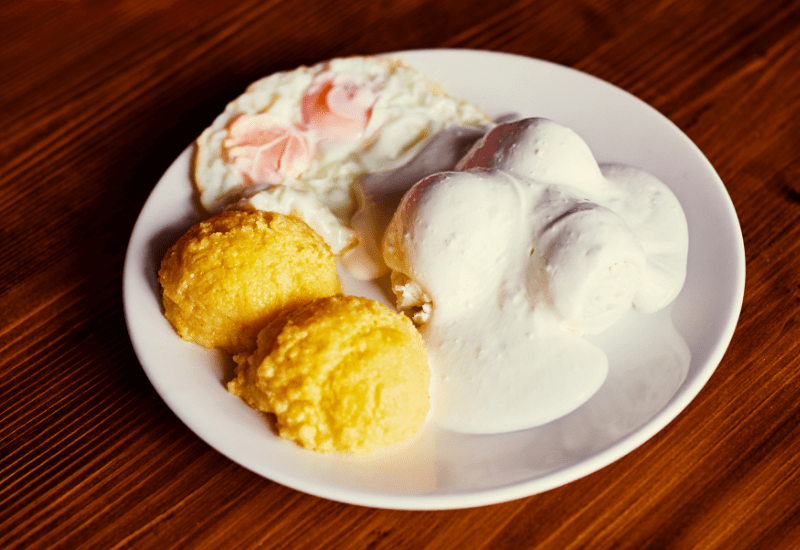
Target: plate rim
501, 493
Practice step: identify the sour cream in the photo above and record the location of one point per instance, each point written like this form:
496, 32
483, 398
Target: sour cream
506, 262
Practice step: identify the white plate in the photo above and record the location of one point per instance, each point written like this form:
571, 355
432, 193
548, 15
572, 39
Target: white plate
438, 469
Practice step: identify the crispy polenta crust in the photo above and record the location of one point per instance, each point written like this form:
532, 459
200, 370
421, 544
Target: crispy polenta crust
231, 274
343, 374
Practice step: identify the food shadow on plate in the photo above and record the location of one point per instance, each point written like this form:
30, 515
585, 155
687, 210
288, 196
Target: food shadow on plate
648, 362
158, 245
507, 117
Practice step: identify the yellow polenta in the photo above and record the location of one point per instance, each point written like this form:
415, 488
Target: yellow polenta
231, 274
340, 374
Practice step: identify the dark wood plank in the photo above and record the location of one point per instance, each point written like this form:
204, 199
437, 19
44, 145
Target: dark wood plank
97, 99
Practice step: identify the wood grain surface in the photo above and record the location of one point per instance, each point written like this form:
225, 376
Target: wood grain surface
97, 98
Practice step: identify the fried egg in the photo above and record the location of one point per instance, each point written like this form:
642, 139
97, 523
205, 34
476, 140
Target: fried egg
317, 129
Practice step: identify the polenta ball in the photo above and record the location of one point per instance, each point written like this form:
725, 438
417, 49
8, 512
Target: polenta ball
231, 274
343, 374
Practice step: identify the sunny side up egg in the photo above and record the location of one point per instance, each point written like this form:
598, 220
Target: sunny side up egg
297, 141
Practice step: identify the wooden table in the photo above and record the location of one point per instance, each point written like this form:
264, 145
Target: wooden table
98, 98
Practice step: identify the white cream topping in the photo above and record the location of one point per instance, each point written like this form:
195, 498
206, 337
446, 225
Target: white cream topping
506, 262
378, 196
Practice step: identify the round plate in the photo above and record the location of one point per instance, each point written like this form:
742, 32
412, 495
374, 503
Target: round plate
437, 469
